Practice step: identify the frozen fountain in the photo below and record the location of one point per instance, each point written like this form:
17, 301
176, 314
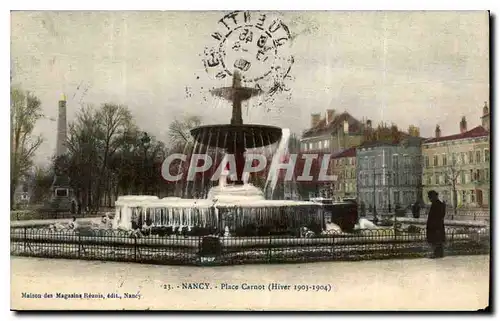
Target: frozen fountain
236, 208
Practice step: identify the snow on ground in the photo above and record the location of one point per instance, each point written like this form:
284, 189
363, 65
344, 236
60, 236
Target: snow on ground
451, 283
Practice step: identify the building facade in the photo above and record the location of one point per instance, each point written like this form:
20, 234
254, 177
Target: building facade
389, 174
333, 133
343, 169
458, 166
328, 135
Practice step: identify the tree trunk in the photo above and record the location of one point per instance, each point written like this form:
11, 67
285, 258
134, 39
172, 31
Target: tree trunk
13, 185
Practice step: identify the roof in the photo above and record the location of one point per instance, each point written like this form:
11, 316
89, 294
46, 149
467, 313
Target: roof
350, 152
478, 131
323, 128
393, 142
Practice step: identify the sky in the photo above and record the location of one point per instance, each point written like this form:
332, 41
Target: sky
409, 68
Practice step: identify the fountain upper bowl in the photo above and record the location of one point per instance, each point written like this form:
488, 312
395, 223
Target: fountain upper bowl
232, 136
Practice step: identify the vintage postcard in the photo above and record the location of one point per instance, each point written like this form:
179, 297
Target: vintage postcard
250, 160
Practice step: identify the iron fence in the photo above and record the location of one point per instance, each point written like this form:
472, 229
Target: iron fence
116, 245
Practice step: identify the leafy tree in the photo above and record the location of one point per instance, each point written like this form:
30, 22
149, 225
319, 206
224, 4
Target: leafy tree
25, 111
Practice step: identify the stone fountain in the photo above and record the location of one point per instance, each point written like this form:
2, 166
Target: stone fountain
228, 207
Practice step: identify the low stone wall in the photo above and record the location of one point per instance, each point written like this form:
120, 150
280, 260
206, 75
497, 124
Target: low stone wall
43, 223
458, 223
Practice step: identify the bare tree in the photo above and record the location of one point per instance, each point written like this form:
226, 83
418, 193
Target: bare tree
179, 130
452, 171
115, 121
42, 181
83, 150
25, 111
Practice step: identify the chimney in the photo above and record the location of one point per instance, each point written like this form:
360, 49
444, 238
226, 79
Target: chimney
413, 131
486, 110
330, 113
438, 131
315, 119
463, 125
61, 127
485, 119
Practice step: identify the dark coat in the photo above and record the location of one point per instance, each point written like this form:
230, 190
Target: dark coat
435, 223
415, 210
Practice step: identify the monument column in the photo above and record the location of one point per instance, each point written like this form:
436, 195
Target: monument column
61, 127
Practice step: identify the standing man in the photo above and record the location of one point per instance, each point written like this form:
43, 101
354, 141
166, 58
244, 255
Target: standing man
435, 225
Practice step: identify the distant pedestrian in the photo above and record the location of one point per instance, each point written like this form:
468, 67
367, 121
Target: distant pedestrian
435, 225
415, 210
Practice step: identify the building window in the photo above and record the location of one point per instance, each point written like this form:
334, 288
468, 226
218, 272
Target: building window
429, 180
444, 160
471, 157
435, 160
472, 197
462, 158
478, 156
486, 174
436, 179
453, 159
395, 161
396, 197
426, 161
406, 160
464, 197
462, 177
486, 155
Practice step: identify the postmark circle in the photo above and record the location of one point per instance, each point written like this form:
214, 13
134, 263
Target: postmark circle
253, 43
250, 50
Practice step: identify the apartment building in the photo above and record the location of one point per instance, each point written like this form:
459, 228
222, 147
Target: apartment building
330, 134
389, 170
343, 169
458, 166
333, 133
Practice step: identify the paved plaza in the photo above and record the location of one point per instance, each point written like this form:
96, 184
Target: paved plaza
451, 283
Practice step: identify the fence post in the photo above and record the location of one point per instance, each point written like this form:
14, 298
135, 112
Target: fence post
269, 256
25, 238
135, 249
79, 245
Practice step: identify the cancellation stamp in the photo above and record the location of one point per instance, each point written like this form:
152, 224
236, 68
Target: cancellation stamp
253, 43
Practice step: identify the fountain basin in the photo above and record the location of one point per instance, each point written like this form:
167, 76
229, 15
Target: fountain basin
216, 213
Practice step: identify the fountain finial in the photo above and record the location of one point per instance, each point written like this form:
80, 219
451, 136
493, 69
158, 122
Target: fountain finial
236, 79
